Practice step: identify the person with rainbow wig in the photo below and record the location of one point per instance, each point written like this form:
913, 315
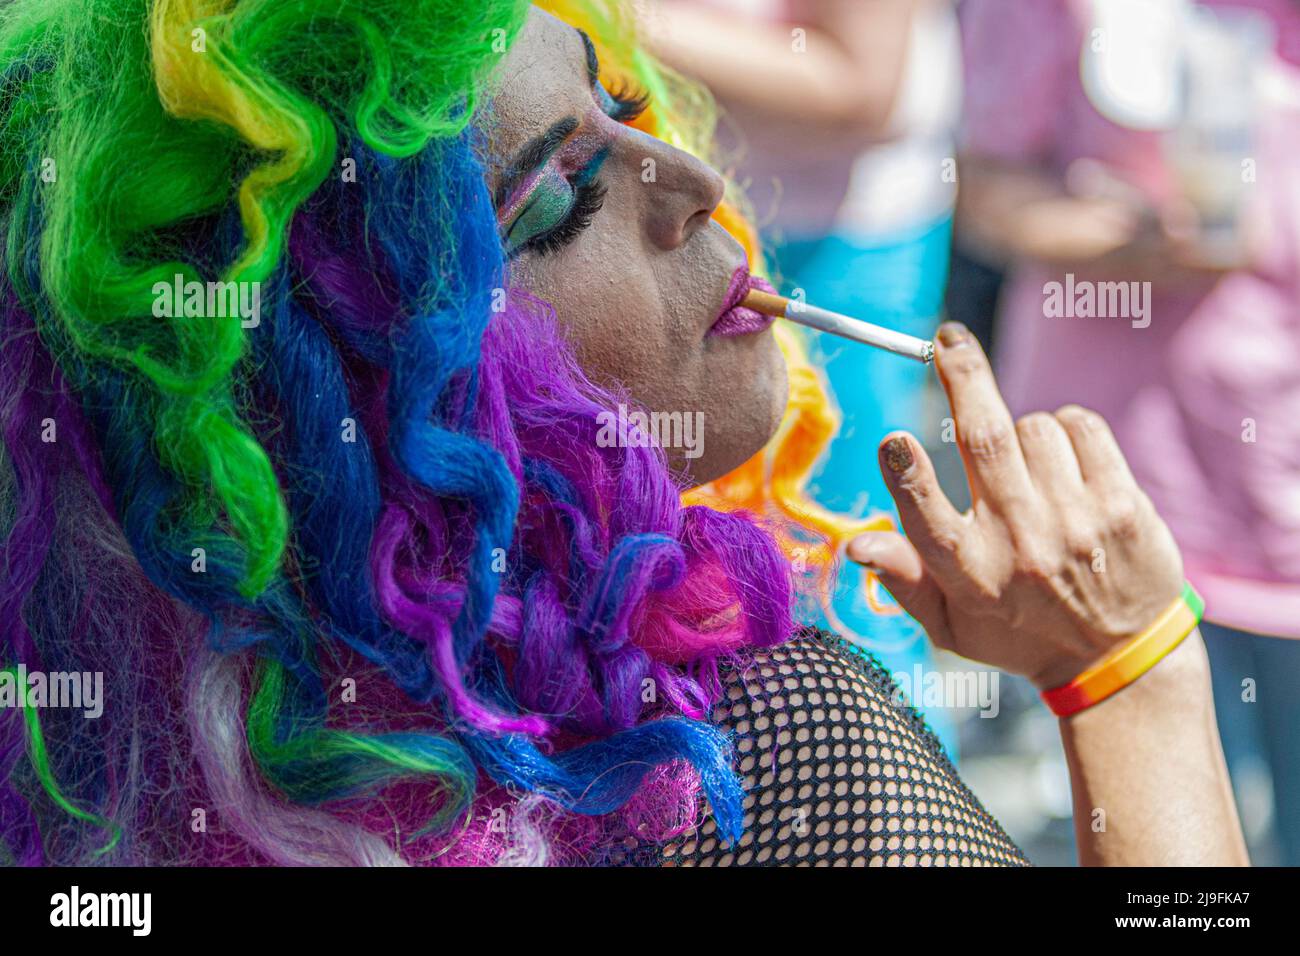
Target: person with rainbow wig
332, 334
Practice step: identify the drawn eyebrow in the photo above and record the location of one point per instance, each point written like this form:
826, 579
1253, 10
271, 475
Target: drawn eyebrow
540, 148
534, 153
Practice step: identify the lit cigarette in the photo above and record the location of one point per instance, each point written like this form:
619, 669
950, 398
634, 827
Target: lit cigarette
841, 325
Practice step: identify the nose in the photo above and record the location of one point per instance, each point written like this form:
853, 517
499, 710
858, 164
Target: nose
681, 193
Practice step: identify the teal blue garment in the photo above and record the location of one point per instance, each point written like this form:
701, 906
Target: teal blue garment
1257, 730
899, 284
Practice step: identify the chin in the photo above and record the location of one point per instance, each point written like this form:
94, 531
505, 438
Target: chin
751, 418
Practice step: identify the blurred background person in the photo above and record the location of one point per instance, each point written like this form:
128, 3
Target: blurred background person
841, 116
1154, 141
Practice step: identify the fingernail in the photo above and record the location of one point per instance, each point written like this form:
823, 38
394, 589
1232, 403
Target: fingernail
953, 335
898, 455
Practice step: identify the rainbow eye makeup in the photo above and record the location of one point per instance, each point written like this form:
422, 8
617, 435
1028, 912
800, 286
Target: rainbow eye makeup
549, 206
550, 193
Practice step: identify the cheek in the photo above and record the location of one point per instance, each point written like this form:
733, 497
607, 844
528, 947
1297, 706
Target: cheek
610, 307
742, 394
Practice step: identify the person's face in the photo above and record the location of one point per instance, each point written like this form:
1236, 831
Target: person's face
613, 228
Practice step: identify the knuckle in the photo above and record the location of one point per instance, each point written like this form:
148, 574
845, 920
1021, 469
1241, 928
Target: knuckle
1080, 419
969, 365
989, 442
1081, 543
1022, 514
1036, 556
1124, 518
917, 488
1125, 529
1037, 563
1035, 425
983, 593
946, 541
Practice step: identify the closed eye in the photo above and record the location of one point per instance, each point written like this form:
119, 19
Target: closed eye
557, 214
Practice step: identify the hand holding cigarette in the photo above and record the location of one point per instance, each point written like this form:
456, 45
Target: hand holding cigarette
1015, 581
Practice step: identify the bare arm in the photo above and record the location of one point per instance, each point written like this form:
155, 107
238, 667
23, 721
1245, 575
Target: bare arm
1015, 582
847, 72
1010, 211
1146, 768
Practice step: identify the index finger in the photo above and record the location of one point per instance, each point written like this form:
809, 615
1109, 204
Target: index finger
986, 434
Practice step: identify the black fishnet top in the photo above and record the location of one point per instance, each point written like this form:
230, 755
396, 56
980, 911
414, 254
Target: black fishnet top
838, 770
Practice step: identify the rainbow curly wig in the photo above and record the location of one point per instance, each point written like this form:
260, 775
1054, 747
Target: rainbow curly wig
351, 598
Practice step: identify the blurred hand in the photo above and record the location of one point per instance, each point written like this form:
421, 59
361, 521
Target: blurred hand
1060, 557
1070, 229
1106, 240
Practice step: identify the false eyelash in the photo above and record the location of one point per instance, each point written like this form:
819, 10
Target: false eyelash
588, 198
631, 101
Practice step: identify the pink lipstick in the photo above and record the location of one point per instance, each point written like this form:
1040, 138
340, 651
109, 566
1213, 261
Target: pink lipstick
735, 318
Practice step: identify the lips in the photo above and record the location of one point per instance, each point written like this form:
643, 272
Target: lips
735, 319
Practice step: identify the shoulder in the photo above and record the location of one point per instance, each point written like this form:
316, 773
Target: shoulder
838, 769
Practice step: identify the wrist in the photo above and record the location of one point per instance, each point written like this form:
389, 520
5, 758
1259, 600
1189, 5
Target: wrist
1179, 684
1131, 660
1185, 668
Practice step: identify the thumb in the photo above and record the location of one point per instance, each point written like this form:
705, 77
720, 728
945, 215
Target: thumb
889, 554
892, 558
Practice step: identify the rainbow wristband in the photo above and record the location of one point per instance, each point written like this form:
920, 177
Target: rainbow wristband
1131, 660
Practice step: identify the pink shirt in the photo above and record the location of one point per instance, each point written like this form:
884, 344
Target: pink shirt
1216, 364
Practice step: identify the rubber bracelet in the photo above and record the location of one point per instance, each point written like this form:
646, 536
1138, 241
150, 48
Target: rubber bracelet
1131, 660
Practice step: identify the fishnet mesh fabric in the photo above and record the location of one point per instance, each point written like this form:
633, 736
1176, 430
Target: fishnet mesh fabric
839, 770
